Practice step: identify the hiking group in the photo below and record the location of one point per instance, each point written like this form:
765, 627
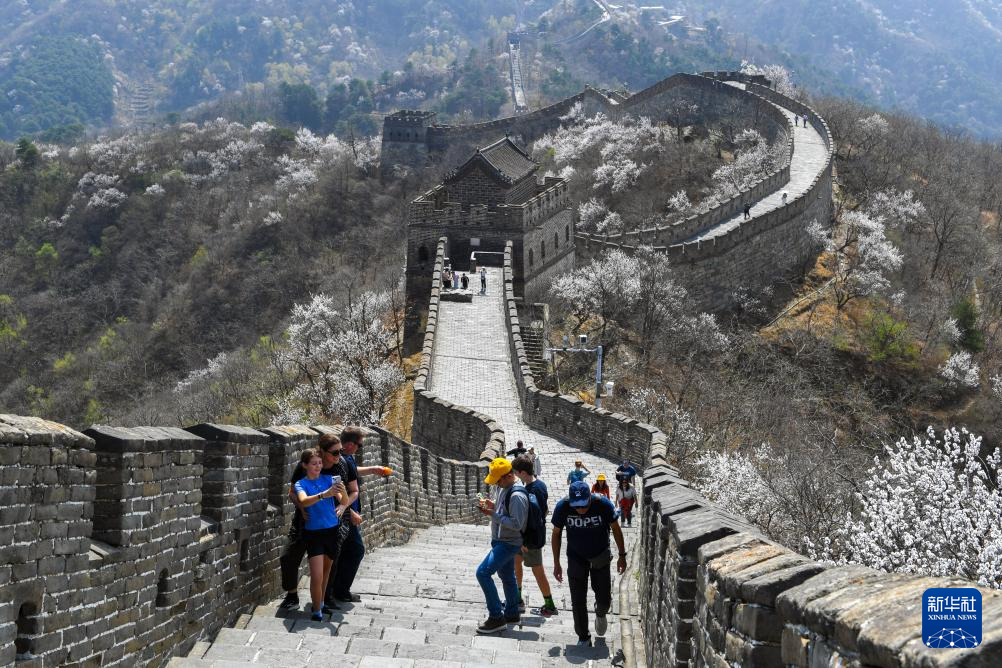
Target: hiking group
518, 514
325, 489
455, 280
326, 526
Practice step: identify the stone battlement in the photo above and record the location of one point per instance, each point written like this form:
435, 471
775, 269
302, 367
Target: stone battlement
125, 546
713, 591
429, 209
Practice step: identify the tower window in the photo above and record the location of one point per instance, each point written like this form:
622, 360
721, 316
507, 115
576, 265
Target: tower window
530, 257
542, 250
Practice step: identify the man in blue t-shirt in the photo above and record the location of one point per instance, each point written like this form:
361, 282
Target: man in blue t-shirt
588, 518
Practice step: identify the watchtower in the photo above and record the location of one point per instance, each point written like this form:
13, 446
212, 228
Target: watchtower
492, 198
405, 138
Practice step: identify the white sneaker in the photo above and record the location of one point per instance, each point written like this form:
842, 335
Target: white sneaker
601, 625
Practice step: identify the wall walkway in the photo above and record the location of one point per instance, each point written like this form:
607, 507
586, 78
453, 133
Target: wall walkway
810, 155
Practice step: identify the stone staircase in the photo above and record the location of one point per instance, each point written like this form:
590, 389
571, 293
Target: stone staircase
420, 608
532, 339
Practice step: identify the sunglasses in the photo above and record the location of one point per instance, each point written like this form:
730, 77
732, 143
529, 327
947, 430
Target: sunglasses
334, 453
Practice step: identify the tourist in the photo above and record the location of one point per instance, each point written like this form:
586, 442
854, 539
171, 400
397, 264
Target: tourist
626, 497
626, 471
447, 278
784, 198
518, 450
537, 463
805, 120
588, 519
483, 280
601, 487
353, 548
465, 281
508, 514
317, 492
747, 211
579, 472
455, 280
295, 550
796, 121
533, 557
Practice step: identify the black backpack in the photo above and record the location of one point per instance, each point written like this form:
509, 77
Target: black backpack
534, 533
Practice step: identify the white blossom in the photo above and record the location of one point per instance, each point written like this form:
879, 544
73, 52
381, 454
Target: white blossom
91, 182
755, 160
931, 506
950, 331
106, 198
873, 126
211, 370
679, 202
961, 370
340, 354
155, 190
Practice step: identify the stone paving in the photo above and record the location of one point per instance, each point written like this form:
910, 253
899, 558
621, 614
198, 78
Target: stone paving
421, 602
809, 156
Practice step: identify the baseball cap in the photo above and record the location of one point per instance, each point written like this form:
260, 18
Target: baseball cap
579, 494
499, 467
601, 476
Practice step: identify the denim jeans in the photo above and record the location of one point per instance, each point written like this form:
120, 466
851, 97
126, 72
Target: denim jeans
500, 560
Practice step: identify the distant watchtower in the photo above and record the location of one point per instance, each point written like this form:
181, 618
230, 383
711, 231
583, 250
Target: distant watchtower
492, 198
405, 138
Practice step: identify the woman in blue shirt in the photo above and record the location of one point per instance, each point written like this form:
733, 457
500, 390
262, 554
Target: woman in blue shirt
317, 492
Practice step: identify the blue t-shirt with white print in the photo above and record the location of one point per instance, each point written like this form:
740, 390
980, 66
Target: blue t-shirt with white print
588, 533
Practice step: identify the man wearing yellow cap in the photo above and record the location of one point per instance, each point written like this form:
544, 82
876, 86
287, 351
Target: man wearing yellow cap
508, 517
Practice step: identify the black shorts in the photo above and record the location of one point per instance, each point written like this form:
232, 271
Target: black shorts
323, 541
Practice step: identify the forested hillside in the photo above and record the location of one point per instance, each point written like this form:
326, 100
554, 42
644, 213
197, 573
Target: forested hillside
187, 53
128, 263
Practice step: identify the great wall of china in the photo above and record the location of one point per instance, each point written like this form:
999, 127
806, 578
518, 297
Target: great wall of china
159, 546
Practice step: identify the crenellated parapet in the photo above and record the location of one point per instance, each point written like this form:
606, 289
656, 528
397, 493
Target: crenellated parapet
125, 546
713, 591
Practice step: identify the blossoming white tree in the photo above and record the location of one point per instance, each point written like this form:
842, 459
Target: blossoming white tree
960, 370
338, 358
931, 505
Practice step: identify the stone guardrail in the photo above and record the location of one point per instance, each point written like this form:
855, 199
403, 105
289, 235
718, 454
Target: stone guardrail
441, 425
125, 546
714, 592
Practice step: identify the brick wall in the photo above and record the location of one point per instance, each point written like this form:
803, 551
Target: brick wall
713, 592
123, 547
